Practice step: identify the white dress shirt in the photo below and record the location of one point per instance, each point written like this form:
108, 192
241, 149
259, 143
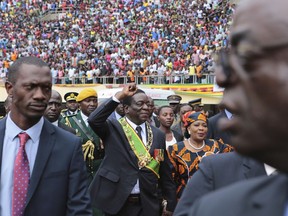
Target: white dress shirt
85, 118
269, 170
10, 149
228, 114
136, 189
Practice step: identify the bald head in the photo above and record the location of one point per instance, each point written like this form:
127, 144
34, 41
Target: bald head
263, 23
254, 74
56, 94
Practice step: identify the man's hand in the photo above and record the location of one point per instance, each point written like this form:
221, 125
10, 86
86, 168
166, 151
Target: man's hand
128, 90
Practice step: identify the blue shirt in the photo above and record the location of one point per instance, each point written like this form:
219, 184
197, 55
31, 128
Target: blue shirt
10, 149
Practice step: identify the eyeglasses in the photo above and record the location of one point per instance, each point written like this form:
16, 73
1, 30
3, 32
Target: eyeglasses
245, 54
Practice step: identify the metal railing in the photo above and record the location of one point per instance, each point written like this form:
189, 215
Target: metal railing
151, 79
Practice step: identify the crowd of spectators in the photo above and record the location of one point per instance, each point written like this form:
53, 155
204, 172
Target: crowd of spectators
162, 38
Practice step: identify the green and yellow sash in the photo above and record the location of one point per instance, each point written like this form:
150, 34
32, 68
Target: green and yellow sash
138, 147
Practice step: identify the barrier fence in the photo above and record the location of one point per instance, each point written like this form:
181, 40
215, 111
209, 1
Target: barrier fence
151, 79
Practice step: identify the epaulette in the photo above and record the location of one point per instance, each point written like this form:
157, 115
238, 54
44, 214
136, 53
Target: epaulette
64, 110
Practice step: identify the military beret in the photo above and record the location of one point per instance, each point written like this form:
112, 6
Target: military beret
70, 96
85, 93
174, 99
195, 102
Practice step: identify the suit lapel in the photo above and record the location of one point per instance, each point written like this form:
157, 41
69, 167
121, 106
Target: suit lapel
252, 168
46, 144
2, 134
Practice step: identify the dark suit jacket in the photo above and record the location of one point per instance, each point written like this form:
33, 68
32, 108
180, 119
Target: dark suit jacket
217, 171
262, 196
119, 170
58, 185
65, 127
157, 123
213, 130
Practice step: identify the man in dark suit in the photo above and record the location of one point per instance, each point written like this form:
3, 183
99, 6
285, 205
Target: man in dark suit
118, 113
152, 120
53, 110
135, 168
254, 75
53, 178
214, 132
215, 172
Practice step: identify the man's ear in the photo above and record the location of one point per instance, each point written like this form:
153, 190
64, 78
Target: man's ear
126, 109
9, 89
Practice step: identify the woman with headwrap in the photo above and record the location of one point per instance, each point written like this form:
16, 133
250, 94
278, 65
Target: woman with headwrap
186, 155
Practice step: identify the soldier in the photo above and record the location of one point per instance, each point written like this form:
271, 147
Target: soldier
71, 104
174, 103
196, 104
93, 152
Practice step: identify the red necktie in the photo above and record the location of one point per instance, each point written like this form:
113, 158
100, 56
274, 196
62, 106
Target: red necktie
21, 178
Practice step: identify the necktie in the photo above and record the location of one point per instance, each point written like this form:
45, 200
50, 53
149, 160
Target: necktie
139, 129
21, 178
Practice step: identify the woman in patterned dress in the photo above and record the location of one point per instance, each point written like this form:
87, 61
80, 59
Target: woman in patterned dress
186, 155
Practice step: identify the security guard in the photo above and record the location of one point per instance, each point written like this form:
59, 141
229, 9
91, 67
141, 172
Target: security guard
174, 103
196, 104
92, 147
71, 104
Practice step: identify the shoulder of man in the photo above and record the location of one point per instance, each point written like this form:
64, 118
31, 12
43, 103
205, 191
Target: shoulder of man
243, 192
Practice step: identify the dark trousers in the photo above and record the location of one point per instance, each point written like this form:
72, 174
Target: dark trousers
132, 207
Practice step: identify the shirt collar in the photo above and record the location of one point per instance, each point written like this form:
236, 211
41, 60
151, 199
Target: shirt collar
55, 123
13, 130
133, 125
117, 115
269, 170
228, 114
84, 117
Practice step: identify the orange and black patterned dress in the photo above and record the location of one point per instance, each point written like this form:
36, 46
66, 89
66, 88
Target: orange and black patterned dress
185, 163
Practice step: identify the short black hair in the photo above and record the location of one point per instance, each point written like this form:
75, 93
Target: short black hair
162, 107
31, 60
128, 100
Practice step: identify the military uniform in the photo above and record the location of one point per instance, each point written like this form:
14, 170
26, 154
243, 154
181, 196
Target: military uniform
175, 100
91, 145
70, 96
196, 104
66, 112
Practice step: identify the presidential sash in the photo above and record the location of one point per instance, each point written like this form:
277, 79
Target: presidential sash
138, 147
